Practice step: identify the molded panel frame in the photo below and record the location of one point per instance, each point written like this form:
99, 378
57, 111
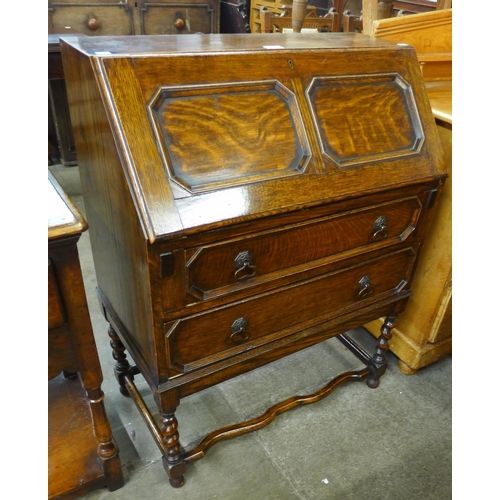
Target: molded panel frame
190, 177
380, 85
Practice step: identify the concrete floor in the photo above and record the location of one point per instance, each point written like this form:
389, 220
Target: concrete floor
392, 443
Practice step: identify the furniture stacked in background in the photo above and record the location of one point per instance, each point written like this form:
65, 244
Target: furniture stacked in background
234, 16
135, 17
271, 23
82, 452
276, 7
244, 204
102, 17
372, 10
424, 331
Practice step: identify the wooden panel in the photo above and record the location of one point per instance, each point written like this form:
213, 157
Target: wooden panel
386, 123
232, 122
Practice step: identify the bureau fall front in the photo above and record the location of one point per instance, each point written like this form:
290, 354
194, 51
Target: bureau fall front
248, 197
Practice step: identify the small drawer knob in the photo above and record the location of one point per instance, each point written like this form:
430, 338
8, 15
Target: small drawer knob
179, 23
239, 332
93, 24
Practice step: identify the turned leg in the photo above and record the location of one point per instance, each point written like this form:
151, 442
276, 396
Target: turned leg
172, 458
106, 449
122, 366
378, 363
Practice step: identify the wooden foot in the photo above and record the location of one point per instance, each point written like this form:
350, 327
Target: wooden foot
378, 363
404, 368
122, 366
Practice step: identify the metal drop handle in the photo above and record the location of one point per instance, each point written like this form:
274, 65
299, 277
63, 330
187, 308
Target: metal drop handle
364, 287
244, 265
239, 331
379, 229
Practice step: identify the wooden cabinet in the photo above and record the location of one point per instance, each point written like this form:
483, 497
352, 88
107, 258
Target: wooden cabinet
82, 452
141, 17
248, 197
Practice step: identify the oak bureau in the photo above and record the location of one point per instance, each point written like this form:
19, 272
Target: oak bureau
247, 197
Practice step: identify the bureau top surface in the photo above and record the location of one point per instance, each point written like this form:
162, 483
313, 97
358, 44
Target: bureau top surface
147, 45
237, 127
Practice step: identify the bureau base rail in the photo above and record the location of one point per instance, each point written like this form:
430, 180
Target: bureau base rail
374, 368
235, 430
175, 458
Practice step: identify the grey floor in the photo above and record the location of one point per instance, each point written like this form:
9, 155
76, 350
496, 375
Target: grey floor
392, 443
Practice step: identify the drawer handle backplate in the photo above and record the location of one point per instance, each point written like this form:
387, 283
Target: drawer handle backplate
364, 287
379, 229
238, 331
244, 266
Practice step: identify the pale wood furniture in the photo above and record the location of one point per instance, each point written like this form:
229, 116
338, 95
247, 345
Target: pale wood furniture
82, 455
424, 331
370, 9
244, 204
271, 23
321, 7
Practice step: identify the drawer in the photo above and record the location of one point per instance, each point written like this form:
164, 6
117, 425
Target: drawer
92, 18
194, 342
176, 18
55, 313
220, 268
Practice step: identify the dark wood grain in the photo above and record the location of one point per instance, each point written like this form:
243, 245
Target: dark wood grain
246, 202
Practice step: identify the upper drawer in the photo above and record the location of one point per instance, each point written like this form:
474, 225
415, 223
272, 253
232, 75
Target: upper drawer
109, 17
220, 268
164, 17
194, 342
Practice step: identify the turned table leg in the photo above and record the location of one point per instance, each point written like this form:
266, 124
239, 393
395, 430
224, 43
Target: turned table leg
172, 459
378, 363
122, 366
106, 449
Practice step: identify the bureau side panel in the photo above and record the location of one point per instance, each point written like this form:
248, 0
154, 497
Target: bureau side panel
117, 239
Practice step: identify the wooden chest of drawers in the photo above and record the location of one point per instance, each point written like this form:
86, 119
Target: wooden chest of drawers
248, 196
140, 17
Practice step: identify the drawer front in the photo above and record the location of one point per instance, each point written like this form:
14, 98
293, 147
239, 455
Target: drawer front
206, 338
91, 18
217, 269
177, 18
55, 313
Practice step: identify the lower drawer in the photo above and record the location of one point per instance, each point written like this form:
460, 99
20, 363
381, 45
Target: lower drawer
197, 341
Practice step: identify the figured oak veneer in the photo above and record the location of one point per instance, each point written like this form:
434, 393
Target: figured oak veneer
248, 197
